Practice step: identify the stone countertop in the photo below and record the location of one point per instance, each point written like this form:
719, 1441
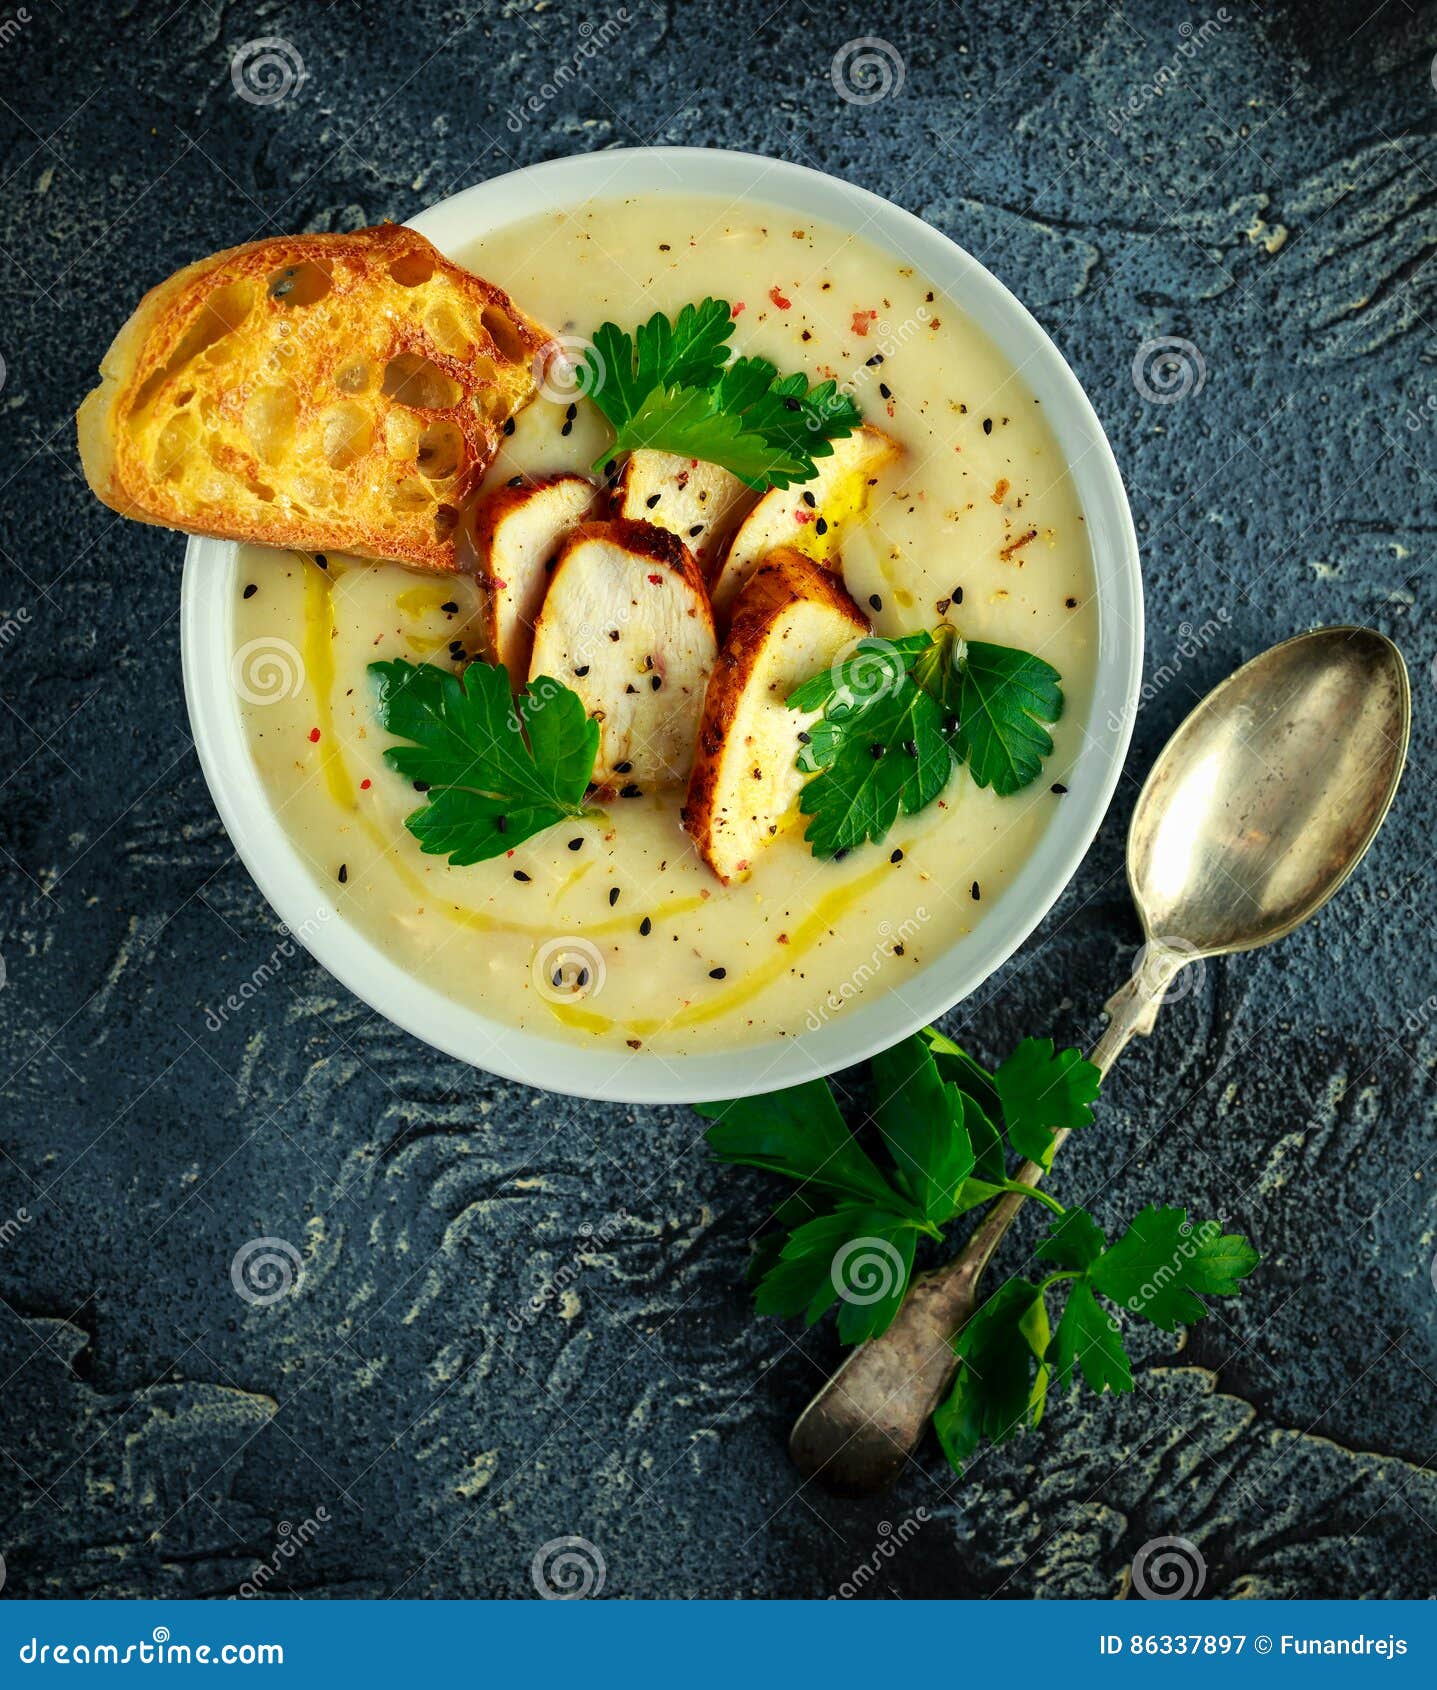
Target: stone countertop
1258, 182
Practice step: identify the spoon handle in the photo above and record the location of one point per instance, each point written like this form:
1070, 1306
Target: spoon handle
863, 1425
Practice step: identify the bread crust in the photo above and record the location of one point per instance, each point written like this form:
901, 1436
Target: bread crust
381, 504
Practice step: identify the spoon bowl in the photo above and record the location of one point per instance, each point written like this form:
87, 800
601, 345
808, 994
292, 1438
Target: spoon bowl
1265, 799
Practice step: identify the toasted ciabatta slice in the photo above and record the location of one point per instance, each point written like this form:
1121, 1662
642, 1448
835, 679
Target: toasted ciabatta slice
327, 391
700, 502
792, 618
517, 535
626, 623
810, 518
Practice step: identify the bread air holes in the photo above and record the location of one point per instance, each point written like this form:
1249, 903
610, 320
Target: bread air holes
412, 269
353, 377
348, 435
221, 314
300, 284
442, 325
177, 438
416, 381
269, 422
446, 520
506, 335
441, 450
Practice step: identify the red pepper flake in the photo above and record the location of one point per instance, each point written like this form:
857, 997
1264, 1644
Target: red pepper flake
778, 299
657, 580
804, 514
314, 736
937, 323
365, 784
861, 320
735, 310
1017, 545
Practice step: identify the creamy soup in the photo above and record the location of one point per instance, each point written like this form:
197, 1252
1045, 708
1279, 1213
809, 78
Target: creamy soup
979, 519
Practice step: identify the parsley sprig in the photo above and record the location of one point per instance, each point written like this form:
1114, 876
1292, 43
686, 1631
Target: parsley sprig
848, 1233
496, 769
899, 716
669, 386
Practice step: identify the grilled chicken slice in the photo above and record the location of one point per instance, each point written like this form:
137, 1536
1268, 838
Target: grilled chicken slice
810, 518
626, 623
701, 503
517, 535
792, 618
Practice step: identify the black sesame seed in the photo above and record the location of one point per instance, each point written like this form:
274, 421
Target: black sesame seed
821, 526
613, 896
321, 560
516, 481
582, 670
421, 786
717, 973
567, 429
838, 856
572, 412
622, 768
885, 390
646, 927
910, 748
987, 425
897, 857
957, 595
583, 978
655, 682
576, 844
874, 602
520, 875
652, 500
876, 751
791, 405
250, 590
611, 466
950, 724
977, 894
1072, 604
1059, 788
508, 425
696, 530
501, 824
809, 500
804, 738
876, 359
343, 873
449, 607
557, 978
631, 791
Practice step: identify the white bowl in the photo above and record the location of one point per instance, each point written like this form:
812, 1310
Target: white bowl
873, 1023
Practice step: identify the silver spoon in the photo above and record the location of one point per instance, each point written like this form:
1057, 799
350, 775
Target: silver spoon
1260, 806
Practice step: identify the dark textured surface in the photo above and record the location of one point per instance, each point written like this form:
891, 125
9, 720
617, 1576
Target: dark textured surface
1273, 204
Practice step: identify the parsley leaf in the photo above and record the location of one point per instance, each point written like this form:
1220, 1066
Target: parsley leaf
1003, 698
1002, 1379
878, 747
1042, 1091
983, 1107
621, 370
898, 716
1088, 1335
922, 1122
799, 1132
859, 1255
1074, 1241
670, 387
1161, 1262
499, 769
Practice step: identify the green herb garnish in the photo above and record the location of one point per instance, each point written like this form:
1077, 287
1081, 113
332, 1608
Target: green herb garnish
847, 1234
497, 769
669, 387
899, 716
